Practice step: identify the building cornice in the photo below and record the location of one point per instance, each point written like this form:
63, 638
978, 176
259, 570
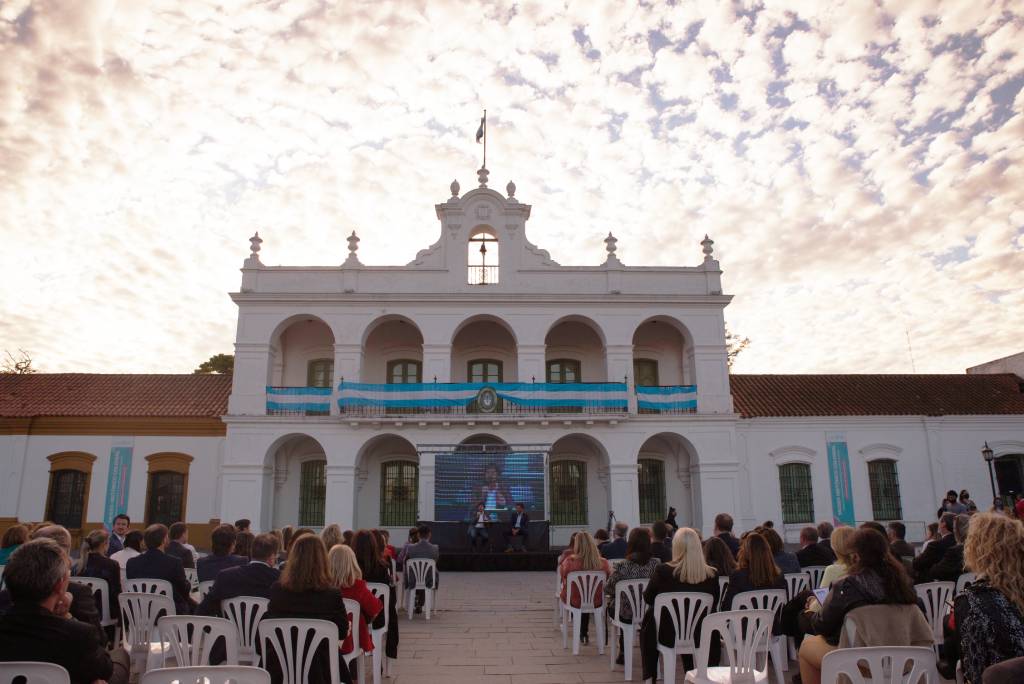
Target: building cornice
142, 426
711, 301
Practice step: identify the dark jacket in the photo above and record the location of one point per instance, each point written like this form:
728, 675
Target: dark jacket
732, 542
901, 549
210, 566
663, 581
253, 579
114, 545
662, 550
991, 628
29, 632
787, 562
812, 555
826, 546
178, 550
949, 568
104, 568
932, 554
327, 604
155, 564
852, 591
524, 524
381, 574
83, 606
614, 549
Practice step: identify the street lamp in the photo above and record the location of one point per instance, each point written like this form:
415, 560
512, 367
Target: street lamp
988, 455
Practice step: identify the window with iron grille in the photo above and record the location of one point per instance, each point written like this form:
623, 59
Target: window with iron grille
651, 479
166, 501
885, 490
561, 371
312, 493
568, 493
399, 493
645, 372
404, 372
66, 502
797, 496
319, 373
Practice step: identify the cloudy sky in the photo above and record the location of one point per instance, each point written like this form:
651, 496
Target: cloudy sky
858, 165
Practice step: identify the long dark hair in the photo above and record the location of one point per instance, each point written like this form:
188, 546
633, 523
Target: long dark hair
718, 555
368, 553
871, 553
756, 557
638, 547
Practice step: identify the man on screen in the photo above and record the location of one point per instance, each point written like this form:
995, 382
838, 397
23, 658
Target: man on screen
493, 494
517, 536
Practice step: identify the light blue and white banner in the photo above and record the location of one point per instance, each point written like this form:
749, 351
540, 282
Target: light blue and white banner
839, 479
669, 398
118, 477
299, 399
609, 395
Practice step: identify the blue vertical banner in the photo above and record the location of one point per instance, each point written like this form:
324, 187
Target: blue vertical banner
118, 478
839, 479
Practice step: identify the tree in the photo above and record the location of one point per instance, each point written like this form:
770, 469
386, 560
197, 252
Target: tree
734, 344
17, 365
220, 364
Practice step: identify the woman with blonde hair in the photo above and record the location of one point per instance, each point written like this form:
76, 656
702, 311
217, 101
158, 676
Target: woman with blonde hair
687, 571
989, 613
349, 579
331, 536
584, 556
93, 562
842, 540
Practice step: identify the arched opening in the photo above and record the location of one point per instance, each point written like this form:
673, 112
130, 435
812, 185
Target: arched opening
574, 351
484, 350
167, 488
578, 486
67, 498
302, 353
387, 484
664, 480
662, 353
1009, 473
299, 482
482, 257
392, 352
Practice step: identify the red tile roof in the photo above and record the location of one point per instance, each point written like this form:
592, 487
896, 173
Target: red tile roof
763, 396
93, 394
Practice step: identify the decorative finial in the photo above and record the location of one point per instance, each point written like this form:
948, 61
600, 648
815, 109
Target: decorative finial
511, 190
455, 188
708, 249
610, 243
481, 176
254, 245
353, 246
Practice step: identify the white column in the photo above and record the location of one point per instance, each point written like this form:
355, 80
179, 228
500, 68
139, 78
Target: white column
340, 506
437, 359
249, 380
623, 488
348, 362
620, 368
531, 364
712, 370
242, 488
718, 492
426, 492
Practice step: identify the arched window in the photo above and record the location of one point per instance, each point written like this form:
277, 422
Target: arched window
167, 490
568, 493
483, 258
399, 493
651, 481
68, 495
312, 493
404, 372
885, 490
319, 373
797, 496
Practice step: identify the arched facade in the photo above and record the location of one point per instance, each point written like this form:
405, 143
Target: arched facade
387, 483
484, 349
665, 479
574, 351
301, 353
392, 351
296, 487
663, 352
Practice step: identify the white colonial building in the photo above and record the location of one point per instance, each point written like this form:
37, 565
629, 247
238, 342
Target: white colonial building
346, 374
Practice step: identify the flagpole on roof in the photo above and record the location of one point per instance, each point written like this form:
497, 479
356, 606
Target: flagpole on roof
485, 139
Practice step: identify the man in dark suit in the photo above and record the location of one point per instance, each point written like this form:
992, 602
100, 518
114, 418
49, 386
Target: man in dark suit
39, 627
176, 547
155, 564
616, 548
934, 552
897, 533
520, 532
661, 548
811, 553
723, 530
222, 543
253, 579
951, 565
422, 549
118, 530
825, 530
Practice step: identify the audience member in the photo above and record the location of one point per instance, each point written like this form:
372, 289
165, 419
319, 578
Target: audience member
998, 506
965, 499
132, 548
155, 564
374, 568
687, 572
38, 629
253, 579
755, 569
934, 551
584, 556
413, 537
661, 545
670, 520
118, 532
347, 536
785, 560
638, 564
307, 590
15, 536
567, 551
93, 562
931, 534
951, 565
421, 549
242, 525
389, 551
601, 537
951, 504
616, 548
331, 536
178, 534
349, 579
718, 556
825, 530
286, 543
872, 525
222, 545
243, 545
723, 530
897, 535
842, 537
1018, 506
811, 553
875, 577
989, 613
768, 524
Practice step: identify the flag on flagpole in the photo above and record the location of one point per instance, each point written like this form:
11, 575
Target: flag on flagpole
480, 131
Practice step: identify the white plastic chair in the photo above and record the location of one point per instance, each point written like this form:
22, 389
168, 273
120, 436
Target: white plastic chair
192, 575
418, 570
192, 638
884, 665
204, 588
686, 610
796, 582
631, 593
380, 634
354, 611
723, 586
149, 586
963, 581
935, 595
295, 642
2, 576
101, 591
245, 613
34, 673
744, 633
816, 572
587, 584
219, 674
558, 597
773, 600
139, 615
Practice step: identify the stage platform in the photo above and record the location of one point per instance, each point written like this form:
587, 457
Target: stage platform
464, 561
